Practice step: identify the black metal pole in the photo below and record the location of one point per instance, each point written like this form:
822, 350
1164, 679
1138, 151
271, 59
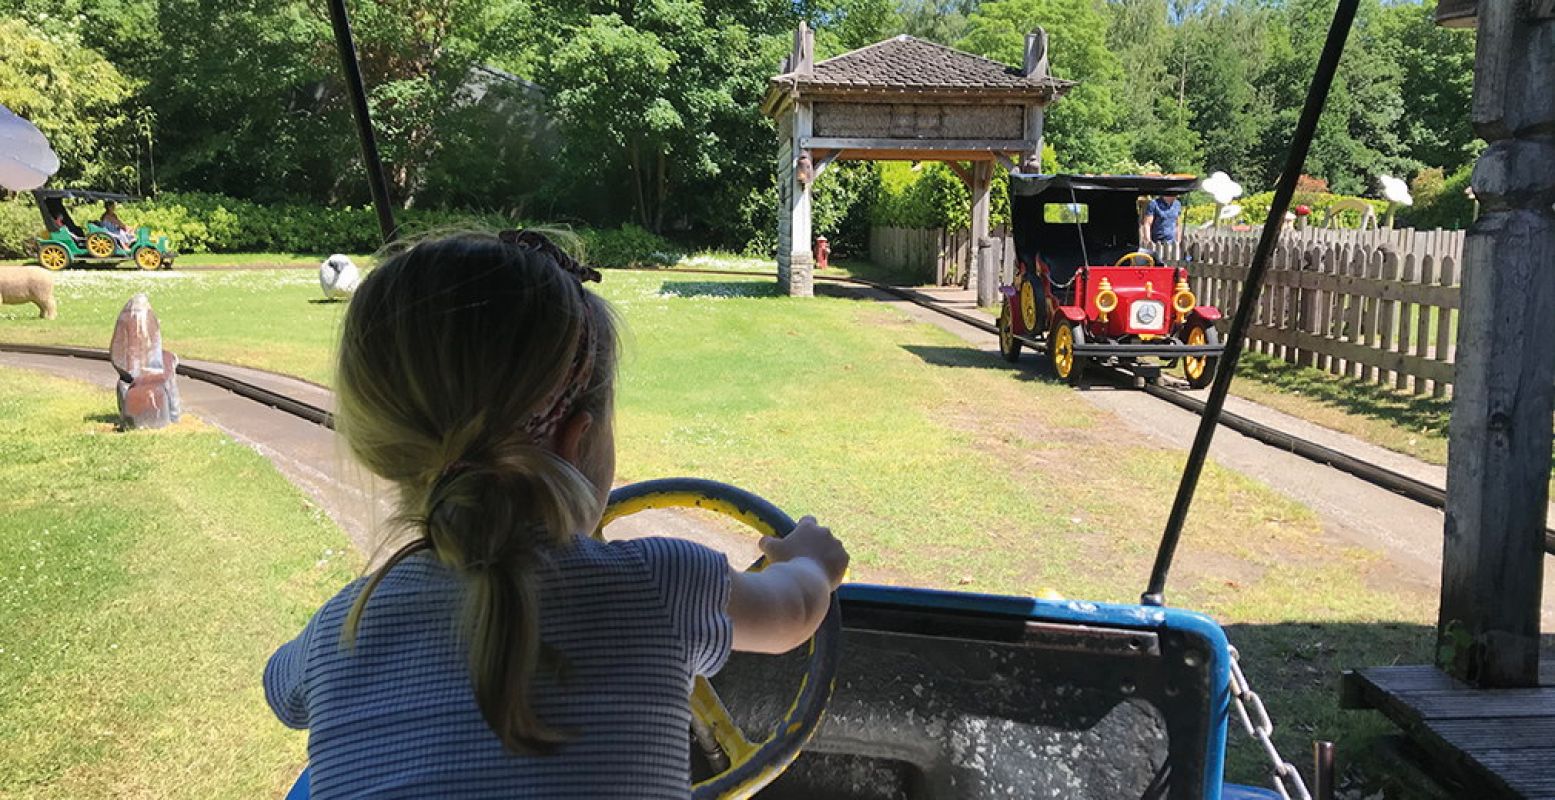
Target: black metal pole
364, 121
1301, 142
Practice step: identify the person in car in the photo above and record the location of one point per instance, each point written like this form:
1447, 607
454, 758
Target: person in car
1160, 222
115, 226
503, 651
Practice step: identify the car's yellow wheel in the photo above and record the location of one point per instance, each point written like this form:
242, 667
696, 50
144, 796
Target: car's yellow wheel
54, 256
1200, 370
1028, 305
100, 245
1009, 346
1060, 351
148, 258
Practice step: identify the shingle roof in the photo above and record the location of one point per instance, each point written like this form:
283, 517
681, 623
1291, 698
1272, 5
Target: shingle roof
905, 62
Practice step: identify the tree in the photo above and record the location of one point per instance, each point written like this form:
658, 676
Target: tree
1087, 126
76, 98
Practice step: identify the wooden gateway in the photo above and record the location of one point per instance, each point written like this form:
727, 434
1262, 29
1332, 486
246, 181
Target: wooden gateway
903, 99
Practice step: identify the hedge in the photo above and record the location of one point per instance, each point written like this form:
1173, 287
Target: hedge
208, 223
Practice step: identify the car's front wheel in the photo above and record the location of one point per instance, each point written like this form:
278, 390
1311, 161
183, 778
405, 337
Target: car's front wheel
1200, 370
1060, 351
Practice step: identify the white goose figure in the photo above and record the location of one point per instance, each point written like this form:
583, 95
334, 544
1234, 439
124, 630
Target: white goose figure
338, 277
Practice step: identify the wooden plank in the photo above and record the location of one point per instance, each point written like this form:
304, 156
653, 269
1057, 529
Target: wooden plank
1342, 351
987, 146
1522, 733
1427, 275
1448, 276
1407, 276
1387, 339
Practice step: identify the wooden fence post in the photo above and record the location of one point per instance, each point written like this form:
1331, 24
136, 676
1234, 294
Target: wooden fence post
1498, 463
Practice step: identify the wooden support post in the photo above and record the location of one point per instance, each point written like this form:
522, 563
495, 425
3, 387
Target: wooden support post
980, 270
801, 260
1499, 446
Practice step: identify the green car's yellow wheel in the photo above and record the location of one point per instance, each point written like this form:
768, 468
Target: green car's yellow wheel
54, 257
100, 245
746, 766
147, 258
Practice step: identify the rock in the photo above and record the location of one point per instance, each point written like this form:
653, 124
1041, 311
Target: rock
338, 277
148, 379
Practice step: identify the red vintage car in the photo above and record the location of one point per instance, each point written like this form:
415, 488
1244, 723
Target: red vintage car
1086, 291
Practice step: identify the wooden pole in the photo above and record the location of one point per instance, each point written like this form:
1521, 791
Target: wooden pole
1499, 443
981, 270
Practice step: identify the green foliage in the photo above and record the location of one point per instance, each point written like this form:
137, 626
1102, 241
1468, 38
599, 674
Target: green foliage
1086, 127
1448, 206
1255, 208
627, 246
20, 227
76, 98
931, 195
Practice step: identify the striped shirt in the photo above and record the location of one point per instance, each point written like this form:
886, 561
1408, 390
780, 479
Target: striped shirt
395, 716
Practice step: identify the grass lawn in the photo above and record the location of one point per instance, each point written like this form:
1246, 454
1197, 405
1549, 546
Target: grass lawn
939, 464
250, 260
144, 580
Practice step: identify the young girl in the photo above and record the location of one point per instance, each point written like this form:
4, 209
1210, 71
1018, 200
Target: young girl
503, 651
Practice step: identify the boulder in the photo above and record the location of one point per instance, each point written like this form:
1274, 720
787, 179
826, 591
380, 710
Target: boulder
148, 374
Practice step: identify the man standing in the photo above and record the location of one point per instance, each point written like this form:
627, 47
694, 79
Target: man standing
1159, 224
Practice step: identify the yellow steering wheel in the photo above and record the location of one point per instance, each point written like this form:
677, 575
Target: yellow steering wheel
745, 767
1128, 260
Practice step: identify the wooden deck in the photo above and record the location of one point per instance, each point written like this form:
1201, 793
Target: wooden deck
1496, 742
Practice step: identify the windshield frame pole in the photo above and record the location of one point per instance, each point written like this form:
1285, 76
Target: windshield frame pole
1301, 142
376, 182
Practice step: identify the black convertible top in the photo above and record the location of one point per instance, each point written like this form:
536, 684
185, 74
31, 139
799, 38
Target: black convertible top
81, 194
1029, 184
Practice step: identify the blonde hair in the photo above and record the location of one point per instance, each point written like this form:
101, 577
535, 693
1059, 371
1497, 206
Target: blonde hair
451, 351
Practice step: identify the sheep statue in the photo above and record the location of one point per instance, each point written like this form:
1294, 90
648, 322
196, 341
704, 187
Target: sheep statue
148, 383
338, 277
28, 285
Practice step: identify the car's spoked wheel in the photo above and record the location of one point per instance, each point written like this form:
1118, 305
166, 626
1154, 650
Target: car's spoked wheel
148, 258
745, 767
100, 245
1009, 346
1200, 370
1060, 351
54, 257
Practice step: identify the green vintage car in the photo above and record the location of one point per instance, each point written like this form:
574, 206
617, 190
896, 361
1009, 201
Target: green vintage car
68, 243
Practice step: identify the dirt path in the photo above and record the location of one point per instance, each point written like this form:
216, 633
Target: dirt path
1353, 512
313, 458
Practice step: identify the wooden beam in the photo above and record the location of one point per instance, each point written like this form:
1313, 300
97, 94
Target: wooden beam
1006, 162
915, 155
923, 145
962, 172
1498, 464
980, 270
822, 159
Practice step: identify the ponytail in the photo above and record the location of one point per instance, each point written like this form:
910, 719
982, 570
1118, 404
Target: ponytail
458, 360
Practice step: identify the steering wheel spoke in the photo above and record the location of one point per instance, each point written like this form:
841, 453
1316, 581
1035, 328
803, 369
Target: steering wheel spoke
721, 739
743, 766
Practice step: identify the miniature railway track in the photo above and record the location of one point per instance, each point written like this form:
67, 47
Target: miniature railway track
1415, 490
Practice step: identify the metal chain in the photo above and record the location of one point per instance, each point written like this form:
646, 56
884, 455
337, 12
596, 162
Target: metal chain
1255, 719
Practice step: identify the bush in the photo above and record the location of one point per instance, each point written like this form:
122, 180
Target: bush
20, 226
1447, 207
627, 246
1255, 208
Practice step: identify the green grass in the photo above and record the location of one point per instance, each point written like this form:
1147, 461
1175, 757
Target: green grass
144, 579
1410, 424
939, 464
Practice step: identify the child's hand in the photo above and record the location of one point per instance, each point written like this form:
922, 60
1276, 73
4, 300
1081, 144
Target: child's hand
810, 540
